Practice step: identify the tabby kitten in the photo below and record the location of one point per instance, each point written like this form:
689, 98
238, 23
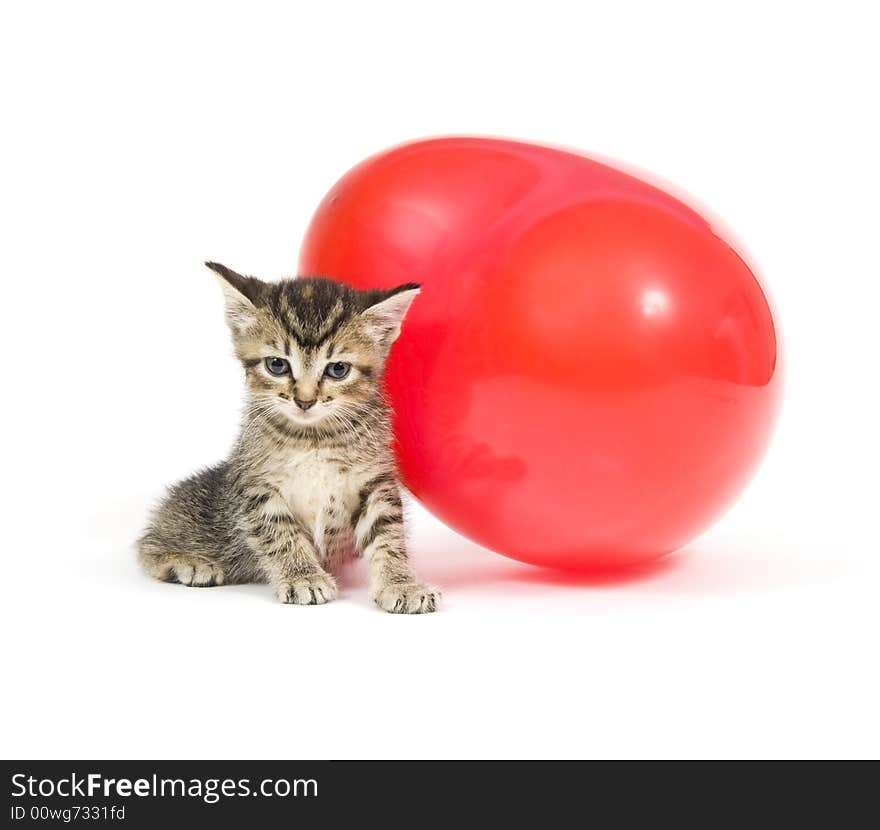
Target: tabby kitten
311, 478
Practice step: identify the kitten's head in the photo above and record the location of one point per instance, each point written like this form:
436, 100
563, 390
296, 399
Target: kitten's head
313, 349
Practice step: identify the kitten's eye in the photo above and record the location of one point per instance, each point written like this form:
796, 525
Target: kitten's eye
338, 370
277, 366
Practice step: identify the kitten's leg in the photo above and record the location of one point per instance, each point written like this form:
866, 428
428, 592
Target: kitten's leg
182, 542
379, 534
285, 552
187, 569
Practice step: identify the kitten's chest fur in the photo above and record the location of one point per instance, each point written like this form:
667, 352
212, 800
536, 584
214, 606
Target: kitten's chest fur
321, 488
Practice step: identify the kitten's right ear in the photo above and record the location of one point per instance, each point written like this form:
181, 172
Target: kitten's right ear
240, 292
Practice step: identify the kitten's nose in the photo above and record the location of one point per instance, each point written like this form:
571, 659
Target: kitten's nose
305, 405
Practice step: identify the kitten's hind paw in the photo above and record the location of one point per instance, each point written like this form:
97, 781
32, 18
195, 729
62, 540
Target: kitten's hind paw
407, 598
308, 589
187, 570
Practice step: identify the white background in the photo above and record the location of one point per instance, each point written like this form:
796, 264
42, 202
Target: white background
140, 139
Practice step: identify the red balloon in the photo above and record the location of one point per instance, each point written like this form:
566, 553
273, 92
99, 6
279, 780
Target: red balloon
591, 372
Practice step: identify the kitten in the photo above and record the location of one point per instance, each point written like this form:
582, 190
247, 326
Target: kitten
311, 480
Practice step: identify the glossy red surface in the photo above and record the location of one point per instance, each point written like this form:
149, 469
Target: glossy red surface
590, 375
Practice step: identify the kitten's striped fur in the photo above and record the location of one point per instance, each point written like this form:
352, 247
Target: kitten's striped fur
302, 490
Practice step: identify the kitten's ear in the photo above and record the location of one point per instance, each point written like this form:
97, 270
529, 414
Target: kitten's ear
385, 313
240, 293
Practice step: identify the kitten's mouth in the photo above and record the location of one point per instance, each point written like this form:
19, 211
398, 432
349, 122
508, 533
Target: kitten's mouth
306, 417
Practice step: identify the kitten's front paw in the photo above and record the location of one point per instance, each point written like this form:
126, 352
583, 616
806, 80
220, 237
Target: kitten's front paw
308, 589
407, 598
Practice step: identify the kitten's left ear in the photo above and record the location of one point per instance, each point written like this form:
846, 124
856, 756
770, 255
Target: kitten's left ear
385, 314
